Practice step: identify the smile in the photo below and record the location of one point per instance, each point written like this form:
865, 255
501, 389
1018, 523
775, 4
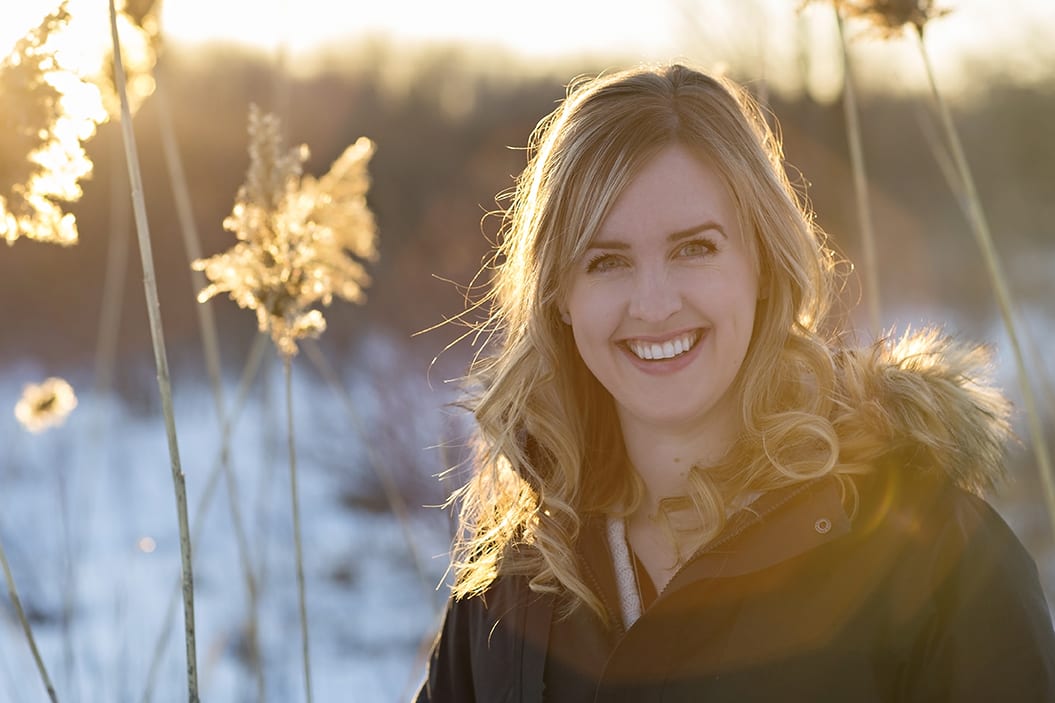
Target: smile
661, 351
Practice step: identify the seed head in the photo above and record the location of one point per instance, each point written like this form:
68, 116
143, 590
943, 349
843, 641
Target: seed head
140, 32
301, 240
45, 405
48, 113
888, 17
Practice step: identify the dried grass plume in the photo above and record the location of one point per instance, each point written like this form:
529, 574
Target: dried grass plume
49, 111
45, 405
301, 240
138, 24
888, 17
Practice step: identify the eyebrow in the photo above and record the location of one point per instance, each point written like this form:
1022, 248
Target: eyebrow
671, 238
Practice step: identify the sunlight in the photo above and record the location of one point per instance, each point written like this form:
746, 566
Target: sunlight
53, 111
17, 18
83, 47
662, 30
583, 26
55, 80
763, 32
82, 43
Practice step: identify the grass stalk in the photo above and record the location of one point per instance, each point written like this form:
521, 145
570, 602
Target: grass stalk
114, 278
211, 351
980, 229
941, 155
160, 358
249, 372
297, 542
69, 581
945, 164
12, 592
857, 164
191, 240
388, 485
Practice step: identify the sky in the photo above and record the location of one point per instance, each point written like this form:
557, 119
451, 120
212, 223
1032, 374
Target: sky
1019, 34
1001, 30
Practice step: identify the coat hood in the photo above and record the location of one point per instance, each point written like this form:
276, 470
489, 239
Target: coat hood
925, 400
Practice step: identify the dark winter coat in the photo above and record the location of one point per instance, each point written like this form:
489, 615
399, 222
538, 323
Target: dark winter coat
922, 594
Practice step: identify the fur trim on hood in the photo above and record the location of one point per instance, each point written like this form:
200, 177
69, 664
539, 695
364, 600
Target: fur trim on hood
926, 401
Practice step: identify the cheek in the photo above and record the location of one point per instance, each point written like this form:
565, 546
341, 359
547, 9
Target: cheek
587, 335
581, 308
593, 323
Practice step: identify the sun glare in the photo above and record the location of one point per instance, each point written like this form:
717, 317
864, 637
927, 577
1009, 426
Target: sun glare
56, 87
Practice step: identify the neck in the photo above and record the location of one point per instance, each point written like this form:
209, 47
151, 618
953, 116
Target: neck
663, 456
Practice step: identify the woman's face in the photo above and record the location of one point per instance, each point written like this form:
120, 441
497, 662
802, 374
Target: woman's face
662, 304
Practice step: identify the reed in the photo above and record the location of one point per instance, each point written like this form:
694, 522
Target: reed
201, 510
889, 18
980, 229
160, 358
211, 352
857, 164
388, 485
302, 599
301, 242
16, 602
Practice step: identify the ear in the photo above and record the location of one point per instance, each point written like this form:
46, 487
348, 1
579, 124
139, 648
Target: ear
565, 316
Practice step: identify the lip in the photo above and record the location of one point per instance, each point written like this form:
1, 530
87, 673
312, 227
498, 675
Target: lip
668, 366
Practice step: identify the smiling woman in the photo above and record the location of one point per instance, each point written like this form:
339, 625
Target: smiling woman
687, 486
662, 308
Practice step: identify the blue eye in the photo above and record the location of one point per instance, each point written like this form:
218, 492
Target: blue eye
602, 263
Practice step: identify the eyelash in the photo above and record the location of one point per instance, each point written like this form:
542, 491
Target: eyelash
708, 246
595, 261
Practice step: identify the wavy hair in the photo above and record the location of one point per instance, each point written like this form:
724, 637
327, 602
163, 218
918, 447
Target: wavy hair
548, 449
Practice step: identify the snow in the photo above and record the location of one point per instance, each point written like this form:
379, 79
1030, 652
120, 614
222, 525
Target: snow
371, 614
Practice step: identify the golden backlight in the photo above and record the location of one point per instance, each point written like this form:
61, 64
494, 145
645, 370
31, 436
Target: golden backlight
767, 33
55, 83
765, 38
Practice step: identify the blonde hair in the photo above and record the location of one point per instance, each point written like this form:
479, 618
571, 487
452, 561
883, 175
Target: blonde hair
548, 450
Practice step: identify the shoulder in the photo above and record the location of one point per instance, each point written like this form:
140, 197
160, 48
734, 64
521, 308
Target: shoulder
487, 642
924, 515
496, 610
925, 400
962, 597
513, 615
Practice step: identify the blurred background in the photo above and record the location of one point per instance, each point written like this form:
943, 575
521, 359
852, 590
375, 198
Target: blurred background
449, 92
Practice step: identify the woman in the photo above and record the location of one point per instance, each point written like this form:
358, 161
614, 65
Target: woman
685, 489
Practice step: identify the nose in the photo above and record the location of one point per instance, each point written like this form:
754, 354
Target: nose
654, 297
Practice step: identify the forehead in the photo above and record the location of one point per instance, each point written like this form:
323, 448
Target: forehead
673, 191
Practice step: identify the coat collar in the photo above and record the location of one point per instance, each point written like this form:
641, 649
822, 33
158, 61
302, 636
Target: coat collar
780, 525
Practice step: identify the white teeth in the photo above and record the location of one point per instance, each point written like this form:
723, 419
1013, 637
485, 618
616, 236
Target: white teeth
652, 351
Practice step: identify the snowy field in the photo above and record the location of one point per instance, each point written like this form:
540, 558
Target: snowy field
87, 517
111, 532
